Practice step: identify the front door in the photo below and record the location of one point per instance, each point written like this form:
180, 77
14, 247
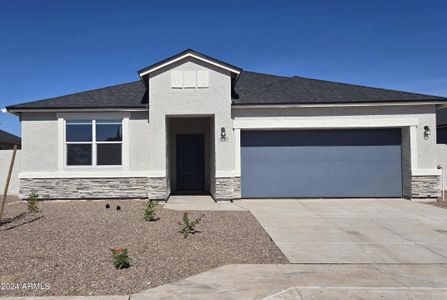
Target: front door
190, 162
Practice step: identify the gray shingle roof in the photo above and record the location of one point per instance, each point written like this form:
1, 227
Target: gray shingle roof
8, 138
127, 95
257, 88
250, 89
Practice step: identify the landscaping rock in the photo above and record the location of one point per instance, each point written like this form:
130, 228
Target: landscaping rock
67, 245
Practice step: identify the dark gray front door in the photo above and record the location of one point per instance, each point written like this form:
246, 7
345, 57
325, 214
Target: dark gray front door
321, 163
190, 162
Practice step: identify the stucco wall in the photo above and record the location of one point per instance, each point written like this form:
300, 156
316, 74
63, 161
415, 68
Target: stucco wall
139, 142
441, 156
5, 160
41, 143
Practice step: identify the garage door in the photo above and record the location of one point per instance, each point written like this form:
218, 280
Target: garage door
321, 163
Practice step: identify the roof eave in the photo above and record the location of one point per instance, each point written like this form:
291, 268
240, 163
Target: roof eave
16, 110
332, 104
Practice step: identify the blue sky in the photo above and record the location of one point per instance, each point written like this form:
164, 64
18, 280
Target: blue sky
52, 48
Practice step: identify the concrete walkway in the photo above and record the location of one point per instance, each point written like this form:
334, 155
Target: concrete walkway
354, 231
309, 282
200, 203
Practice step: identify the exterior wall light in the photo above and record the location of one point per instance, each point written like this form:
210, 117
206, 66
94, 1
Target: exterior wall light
427, 132
223, 134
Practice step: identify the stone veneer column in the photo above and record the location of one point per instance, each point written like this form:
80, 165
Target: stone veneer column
157, 188
427, 186
237, 188
228, 188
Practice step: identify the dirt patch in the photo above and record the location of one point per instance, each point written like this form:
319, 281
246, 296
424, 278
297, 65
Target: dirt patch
67, 245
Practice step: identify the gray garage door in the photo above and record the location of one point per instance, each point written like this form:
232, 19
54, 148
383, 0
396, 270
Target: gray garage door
321, 163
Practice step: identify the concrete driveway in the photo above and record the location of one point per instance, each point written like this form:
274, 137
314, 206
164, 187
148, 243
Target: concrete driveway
354, 230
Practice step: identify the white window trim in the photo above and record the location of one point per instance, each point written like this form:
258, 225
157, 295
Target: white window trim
62, 148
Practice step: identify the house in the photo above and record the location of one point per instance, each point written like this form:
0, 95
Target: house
195, 124
8, 140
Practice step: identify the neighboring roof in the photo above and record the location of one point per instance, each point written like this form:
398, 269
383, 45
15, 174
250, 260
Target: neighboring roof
257, 88
185, 54
8, 138
441, 117
126, 95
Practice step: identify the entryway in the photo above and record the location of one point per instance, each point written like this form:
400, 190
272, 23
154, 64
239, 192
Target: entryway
190, 154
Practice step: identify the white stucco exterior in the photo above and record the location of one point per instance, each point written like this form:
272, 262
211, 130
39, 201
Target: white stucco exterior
148, 134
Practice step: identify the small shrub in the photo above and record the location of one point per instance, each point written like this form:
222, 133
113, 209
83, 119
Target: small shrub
121, 258
149, 211
32, 203
107, 205
118, 207
189, 225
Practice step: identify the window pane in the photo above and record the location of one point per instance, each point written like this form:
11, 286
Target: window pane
79, 154
109, 131
78, 131
108, 154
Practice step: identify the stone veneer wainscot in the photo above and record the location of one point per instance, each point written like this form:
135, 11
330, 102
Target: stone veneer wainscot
228, 188
79, 188
428, 186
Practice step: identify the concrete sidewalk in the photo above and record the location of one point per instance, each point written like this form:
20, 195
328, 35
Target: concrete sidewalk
298, 281
309, 282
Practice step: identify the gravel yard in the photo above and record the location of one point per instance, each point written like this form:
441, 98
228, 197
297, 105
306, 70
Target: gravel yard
67, 245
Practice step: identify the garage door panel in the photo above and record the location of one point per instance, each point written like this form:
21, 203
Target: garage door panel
270, 167
342, 153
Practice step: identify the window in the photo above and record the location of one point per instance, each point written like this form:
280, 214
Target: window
93, 142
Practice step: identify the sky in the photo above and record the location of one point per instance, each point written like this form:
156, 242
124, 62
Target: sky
53, 48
